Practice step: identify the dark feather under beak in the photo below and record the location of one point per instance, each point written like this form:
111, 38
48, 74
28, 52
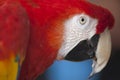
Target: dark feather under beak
84, 50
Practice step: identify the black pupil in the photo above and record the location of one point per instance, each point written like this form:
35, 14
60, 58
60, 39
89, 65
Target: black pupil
82, 19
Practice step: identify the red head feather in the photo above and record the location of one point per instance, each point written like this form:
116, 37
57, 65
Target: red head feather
46, 18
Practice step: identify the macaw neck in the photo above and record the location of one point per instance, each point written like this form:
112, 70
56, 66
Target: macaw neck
43, 44
39, 54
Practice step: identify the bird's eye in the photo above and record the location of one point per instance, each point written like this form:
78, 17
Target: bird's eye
82, 20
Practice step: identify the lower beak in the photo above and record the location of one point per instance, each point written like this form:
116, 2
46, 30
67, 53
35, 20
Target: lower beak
84, 50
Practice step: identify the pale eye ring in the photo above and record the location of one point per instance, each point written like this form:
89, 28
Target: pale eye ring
82, 20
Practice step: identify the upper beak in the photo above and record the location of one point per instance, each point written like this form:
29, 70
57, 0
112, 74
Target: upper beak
84, 50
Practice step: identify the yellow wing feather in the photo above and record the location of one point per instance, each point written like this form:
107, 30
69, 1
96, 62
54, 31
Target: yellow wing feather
9, 69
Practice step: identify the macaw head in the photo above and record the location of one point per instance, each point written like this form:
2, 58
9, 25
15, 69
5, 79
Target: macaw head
81, 30
74, 30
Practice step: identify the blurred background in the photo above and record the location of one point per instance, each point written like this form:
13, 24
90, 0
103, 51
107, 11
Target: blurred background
65, 70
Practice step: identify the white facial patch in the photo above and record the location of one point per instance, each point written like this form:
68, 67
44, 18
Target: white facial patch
79, 27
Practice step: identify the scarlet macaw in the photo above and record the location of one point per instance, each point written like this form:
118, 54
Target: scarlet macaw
74, 30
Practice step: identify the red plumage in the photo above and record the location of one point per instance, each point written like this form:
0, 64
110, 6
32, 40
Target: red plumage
14, 29
46, 30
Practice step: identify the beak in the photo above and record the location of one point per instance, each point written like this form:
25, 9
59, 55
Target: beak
98, 48
85, 49
103, 52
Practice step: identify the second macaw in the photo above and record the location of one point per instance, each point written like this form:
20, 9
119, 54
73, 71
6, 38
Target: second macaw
45, 30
